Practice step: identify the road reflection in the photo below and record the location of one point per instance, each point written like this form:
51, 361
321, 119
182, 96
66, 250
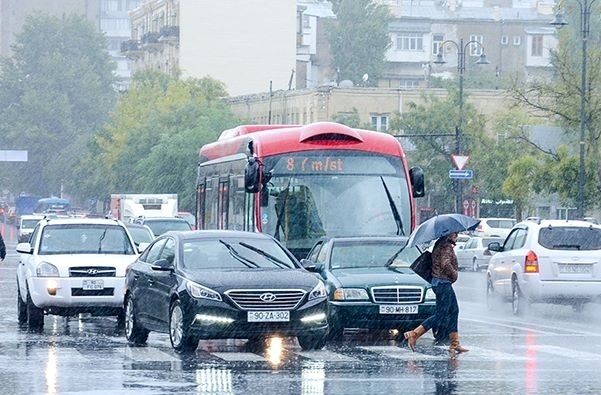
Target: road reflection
214, 380
313, 378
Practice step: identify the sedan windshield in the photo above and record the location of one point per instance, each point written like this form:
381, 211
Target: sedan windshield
234, 253
346, 255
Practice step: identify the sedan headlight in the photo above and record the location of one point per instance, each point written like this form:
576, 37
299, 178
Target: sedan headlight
350, 294
318, 292
200, 292
430, 295
46, 269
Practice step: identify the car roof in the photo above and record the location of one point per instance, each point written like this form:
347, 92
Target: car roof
32, 216
83, 221
195, 234
558, 223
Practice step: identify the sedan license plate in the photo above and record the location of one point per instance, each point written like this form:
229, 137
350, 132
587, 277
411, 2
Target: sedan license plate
89, 285
268, 316
574, 268
399, 309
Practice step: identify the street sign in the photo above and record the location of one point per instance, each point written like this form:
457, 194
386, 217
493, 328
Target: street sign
13, 156
461, 174
460, 161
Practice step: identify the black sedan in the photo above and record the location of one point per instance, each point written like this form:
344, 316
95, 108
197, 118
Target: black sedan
370, 284
222, 285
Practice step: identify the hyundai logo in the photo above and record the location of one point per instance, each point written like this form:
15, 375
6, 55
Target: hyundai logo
92, 272
267, 297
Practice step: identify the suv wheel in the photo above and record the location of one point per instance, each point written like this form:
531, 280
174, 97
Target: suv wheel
21, 308
134, 332
179, 334
35, 316
518, 301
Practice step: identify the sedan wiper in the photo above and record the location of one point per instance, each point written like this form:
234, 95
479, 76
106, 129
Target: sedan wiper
278, 262
392, 258
246, 262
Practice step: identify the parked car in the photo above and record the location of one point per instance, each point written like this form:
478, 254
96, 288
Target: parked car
462, 238
160, 225
140, 233
548, 261
220, 285
370, 285
188, 217
474, 255
26, 225
498, 227
72, 266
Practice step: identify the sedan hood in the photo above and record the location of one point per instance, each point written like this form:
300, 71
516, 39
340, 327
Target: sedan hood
223, 280
377, 276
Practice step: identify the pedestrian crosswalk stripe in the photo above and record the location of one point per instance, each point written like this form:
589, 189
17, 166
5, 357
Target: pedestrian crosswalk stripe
565, 352
402, 353
148, 354
478, 354
326, 356
238, 356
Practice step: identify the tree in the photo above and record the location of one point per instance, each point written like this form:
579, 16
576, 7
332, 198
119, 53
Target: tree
56, 91
152, 141
359, 39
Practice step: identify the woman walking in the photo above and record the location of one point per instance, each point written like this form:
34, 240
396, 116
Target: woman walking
444, 274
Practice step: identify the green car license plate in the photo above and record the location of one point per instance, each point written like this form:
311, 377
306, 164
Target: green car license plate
399, 309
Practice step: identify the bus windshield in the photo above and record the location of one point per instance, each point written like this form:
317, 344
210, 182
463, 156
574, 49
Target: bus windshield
334, 193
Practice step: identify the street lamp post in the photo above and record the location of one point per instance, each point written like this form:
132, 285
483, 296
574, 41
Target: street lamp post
559, 21
461, 53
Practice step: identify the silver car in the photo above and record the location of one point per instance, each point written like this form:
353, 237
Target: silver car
474, 254
548, 261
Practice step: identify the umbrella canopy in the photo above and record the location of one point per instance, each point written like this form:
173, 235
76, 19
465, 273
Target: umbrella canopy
441, 225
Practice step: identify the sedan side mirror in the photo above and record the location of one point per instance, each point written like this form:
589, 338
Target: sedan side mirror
311, 266
162, 265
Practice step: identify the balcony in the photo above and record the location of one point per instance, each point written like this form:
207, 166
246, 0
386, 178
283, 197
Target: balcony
169, 33
131, 48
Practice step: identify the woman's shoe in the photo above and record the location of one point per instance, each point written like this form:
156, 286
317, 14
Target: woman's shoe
413, 335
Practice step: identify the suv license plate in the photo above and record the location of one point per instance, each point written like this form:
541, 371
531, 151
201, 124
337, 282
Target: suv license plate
89, 285
268, 316
574, 268
399, 309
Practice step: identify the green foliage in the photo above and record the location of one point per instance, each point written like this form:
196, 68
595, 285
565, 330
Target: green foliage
151, 144
56, 91
359, 39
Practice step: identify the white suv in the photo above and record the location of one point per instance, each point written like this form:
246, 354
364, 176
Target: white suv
494, 227
549, 261
71, 266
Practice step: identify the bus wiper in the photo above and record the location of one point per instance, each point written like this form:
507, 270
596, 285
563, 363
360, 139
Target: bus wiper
280, 213
278, 262
395, 211
246, 262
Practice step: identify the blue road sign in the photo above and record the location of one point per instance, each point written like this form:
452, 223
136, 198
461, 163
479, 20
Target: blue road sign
461, 174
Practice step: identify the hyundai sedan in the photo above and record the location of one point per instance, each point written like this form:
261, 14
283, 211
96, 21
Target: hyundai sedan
222, 285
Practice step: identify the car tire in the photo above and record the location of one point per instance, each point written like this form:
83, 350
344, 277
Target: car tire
135, 333
179, 334
475, 266
311, 342
21, 308
518, 300
35, 316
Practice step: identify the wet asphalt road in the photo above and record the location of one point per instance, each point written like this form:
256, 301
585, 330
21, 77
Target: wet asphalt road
552, 350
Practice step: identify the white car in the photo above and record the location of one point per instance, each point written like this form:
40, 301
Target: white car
494, 227
71, 266
548, 261
475, 254
26, 225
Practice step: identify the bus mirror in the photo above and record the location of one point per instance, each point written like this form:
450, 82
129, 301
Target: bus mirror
252, 183
416, 174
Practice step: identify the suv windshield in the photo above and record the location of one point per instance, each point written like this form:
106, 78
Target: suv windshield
570, 238
84, 239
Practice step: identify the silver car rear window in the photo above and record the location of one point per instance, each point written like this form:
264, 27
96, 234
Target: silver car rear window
570, 238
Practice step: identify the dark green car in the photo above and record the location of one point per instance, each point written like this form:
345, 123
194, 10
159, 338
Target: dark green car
370, 285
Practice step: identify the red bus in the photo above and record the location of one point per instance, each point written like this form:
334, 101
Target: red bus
299, 183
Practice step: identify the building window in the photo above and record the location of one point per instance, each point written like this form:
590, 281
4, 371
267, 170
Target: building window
517, 40
379, 122
306, 21
437, 40
537, 46
504, 40
410, 42
110, 5
409, 83
475, 47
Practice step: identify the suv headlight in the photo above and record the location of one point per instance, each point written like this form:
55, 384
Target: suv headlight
318, 292
46, 269
430, 295
200, 292
350, 294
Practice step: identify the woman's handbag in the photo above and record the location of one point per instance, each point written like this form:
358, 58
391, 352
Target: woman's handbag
422, 266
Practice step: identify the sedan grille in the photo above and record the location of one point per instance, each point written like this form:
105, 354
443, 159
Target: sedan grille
266, 299
397, 294
92, 271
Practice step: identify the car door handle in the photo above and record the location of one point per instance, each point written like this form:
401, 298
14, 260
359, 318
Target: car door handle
150, 281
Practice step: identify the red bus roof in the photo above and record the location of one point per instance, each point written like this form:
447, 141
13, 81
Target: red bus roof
275, 139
